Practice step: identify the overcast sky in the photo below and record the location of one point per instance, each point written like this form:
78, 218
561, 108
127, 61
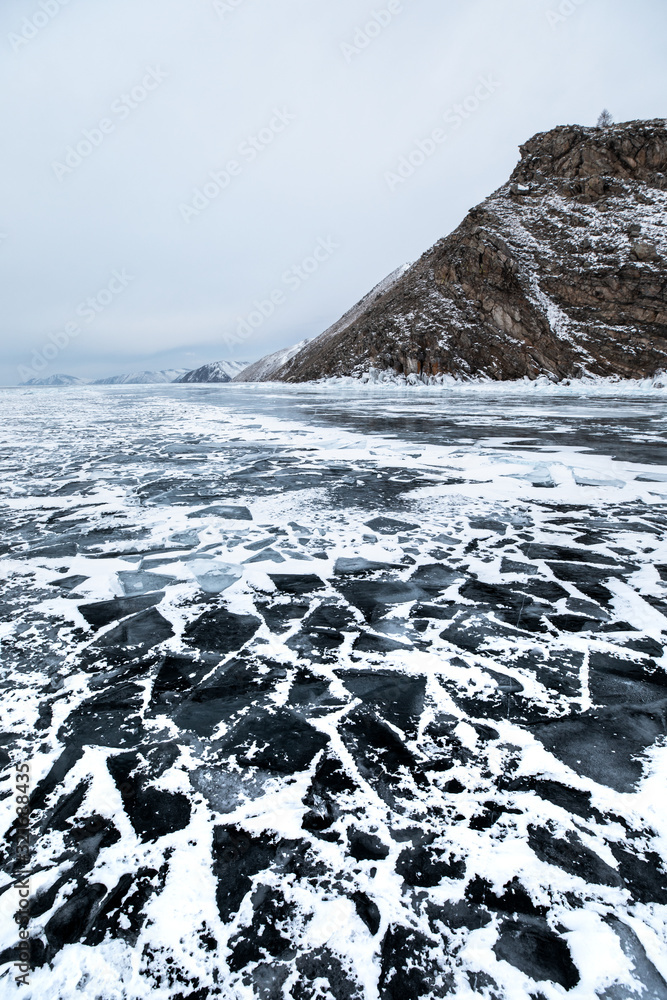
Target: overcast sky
116, 114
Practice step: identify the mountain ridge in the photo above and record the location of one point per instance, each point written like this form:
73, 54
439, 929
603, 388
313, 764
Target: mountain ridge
165, 376
214, 371
560, 272
162, 377
263, 370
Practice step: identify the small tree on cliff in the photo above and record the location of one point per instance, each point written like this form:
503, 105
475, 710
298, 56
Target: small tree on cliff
605, 119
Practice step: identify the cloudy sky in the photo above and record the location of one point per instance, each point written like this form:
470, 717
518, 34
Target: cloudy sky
191, 180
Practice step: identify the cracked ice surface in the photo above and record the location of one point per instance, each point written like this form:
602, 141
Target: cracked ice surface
336, 694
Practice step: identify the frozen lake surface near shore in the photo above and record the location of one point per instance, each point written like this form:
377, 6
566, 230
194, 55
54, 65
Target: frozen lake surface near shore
336, 692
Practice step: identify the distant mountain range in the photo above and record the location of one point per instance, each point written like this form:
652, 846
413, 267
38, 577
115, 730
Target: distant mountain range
143, 378
56, 380
216, 371
224, 370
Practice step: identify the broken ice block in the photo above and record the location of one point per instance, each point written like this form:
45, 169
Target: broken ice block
214, 576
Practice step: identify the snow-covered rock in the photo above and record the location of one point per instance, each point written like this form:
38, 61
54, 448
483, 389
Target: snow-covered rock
264, 369
561, 272
216, 371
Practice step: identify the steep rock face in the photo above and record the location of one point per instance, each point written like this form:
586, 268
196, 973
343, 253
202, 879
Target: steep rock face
561, 271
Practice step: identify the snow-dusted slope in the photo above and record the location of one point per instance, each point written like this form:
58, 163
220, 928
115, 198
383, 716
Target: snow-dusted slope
562, 272
264, 369
368, 300
216, 371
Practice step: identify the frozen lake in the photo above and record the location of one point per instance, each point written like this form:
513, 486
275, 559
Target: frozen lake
336, 693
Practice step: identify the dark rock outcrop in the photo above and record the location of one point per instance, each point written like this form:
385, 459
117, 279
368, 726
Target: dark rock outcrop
561, 272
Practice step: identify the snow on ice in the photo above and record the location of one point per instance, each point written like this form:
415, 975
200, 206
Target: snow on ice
331, 692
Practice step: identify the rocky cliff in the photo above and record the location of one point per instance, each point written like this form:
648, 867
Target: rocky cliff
562, 271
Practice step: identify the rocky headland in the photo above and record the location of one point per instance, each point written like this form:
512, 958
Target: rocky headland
561, 272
